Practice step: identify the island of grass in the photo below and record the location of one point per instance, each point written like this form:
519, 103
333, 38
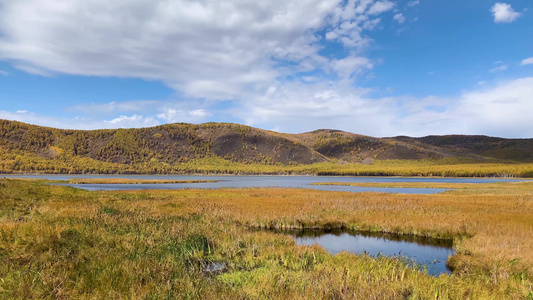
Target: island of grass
132, 181
499, 187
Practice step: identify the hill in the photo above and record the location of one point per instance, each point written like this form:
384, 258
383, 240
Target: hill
176, 148
494, 147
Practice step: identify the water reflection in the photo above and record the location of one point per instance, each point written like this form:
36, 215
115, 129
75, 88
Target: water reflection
432, 253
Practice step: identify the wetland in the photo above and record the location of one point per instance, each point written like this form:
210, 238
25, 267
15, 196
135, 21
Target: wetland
65, 242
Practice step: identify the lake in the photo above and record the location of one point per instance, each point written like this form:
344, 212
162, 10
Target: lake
251, 181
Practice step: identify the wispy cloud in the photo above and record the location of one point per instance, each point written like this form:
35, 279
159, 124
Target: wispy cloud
380, 7
499, 68
527, 61
399, 18
504, 13
114, 107
172, 115
123, 121
133, 121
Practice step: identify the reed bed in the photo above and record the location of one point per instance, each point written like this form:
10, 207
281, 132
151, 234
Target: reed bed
503, 186
131, 181
62, 243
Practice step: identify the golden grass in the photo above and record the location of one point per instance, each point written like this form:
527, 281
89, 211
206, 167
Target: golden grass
60, 242
131, 181
503, 186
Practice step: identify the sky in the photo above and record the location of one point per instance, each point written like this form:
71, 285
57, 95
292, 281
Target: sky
373, 67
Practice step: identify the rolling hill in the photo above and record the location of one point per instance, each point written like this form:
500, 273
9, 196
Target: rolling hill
31, 148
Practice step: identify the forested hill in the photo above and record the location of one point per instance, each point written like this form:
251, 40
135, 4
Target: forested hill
168, 148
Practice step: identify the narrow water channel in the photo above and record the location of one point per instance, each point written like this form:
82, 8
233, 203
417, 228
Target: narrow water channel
251, 181
431, 253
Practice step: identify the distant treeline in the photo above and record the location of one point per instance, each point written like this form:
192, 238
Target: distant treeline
14, 163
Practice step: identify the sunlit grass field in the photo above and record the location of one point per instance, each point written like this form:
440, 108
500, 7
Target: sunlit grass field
61, 242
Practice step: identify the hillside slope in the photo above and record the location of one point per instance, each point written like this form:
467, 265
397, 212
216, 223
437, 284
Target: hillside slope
515, 149
30, 148
350, 147
172, 143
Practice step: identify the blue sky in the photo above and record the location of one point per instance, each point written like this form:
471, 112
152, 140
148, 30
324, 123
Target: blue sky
373, 67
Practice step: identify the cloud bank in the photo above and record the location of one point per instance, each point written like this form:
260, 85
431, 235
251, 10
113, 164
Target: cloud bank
500, 110
267, 60
203, 49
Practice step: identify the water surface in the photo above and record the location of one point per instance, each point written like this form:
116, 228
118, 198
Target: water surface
251, 181
431, 253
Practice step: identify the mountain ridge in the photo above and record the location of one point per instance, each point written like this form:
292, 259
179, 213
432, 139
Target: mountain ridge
179, 143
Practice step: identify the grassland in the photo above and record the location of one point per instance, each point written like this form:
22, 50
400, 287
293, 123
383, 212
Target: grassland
60, 242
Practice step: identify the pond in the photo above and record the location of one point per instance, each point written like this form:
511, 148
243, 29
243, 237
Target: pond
430, 253
263, 181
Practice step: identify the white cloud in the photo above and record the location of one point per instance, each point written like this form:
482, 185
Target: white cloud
173, 115
134, 121
350, 20
3, 73
499, 68
380, 7
201, 113
497, 110
298, 107
399, 18
527, 61
503, 110
206, 49
371, 24
115, 107
35, 70
29, 117
504, 13
413, 3
33, 118
348, 66
331, 35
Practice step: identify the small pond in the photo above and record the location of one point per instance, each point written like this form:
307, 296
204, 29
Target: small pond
431, 253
